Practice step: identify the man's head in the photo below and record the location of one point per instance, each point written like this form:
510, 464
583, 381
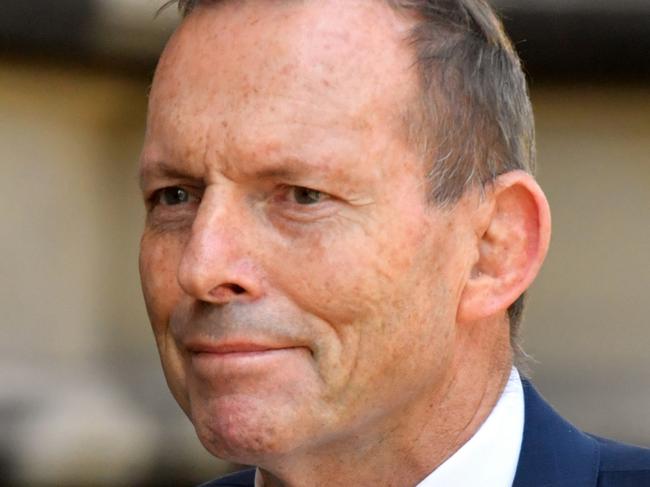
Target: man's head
470, 83
334, 236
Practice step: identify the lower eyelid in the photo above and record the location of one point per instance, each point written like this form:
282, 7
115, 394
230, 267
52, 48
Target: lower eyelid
308, 213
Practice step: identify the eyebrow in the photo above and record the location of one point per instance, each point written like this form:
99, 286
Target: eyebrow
163, 170
287, 168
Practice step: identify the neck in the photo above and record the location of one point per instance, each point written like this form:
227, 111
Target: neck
403, 450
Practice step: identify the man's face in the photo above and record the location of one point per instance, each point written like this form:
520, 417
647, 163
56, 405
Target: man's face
301, 289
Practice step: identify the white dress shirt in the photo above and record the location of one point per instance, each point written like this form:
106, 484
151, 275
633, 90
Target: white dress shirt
490, 457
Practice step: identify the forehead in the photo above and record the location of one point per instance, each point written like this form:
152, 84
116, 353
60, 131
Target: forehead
238, 66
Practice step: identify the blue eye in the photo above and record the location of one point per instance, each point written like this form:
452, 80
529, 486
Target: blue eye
173, 196
306, 196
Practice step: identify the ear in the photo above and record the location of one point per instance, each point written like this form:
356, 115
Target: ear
511, 244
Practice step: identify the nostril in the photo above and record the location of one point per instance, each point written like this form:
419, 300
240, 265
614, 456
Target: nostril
225, 292
236, 288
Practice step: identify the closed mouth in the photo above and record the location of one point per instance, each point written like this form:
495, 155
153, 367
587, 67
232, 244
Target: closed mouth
234, 348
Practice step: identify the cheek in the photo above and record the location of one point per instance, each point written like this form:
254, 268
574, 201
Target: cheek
159, 259
353, 274
373, 281
359, 285
332, 278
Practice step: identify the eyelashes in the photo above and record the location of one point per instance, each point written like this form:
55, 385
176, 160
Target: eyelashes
300, 204
178, 195
172, 196
306, 196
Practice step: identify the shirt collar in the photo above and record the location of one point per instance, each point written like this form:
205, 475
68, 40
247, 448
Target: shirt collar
490, 457
259, 481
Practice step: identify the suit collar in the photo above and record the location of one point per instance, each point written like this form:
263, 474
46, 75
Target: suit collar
554, 453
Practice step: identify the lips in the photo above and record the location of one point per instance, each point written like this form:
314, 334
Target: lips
230, 348
237, 359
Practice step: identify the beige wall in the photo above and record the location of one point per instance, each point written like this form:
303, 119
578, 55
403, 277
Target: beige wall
75, 339
589, 318
69, 140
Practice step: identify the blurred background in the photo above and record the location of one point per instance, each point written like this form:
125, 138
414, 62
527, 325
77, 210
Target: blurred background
82, 397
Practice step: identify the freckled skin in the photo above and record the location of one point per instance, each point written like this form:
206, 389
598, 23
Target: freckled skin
368, 283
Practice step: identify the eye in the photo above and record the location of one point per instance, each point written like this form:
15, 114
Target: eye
171, 196
306, 196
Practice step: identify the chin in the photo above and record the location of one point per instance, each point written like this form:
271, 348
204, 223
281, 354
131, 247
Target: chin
245, 429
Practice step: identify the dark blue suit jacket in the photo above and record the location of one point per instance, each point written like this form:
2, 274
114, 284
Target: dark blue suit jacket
554, 453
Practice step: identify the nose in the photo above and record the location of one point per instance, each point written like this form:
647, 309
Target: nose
218, 263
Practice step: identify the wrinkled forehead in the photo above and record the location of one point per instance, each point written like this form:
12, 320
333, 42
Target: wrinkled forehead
343, 55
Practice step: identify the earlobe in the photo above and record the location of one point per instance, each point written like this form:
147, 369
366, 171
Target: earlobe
511, 246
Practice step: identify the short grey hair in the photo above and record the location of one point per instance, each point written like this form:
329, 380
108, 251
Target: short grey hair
474, 119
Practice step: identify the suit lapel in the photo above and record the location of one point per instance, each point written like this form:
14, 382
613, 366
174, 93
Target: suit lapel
554, 453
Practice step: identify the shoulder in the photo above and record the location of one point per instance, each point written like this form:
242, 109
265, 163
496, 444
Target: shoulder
622, 464
556, 453
245, 478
